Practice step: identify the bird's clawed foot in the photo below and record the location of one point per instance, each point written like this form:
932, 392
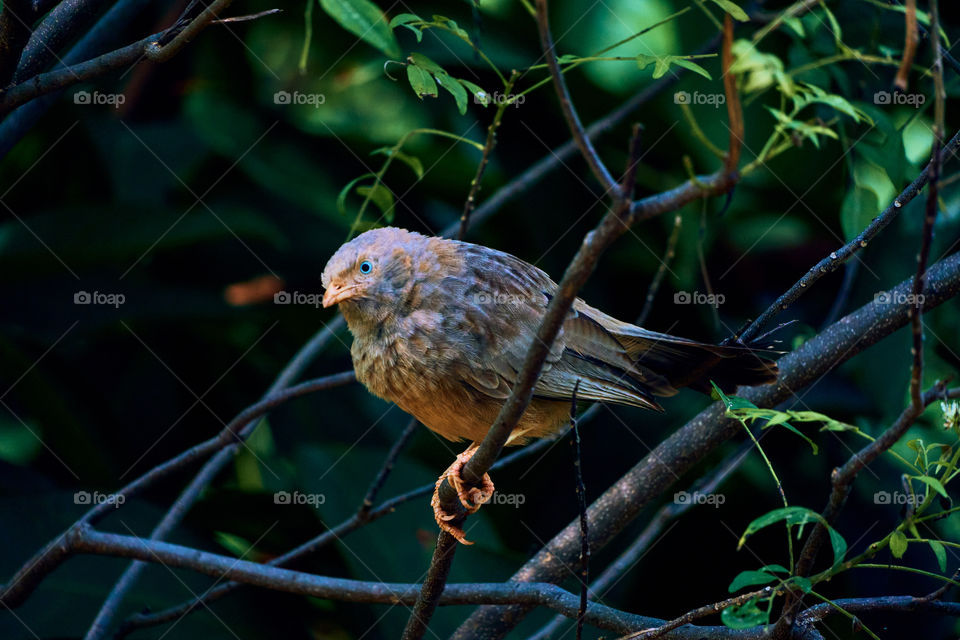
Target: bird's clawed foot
471, 498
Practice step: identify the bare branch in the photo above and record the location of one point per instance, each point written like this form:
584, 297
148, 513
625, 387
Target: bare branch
589, 153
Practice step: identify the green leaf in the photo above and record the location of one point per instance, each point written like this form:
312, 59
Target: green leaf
453, 26
744, 616
934, 484
424, 62
796, 24
801, 583
411, 161
644, 61
480, 96
342, 196
567, 58
940, 551
661, 68
898, 544
750, 578
797, 516
732, 402
776, 568
404, 18
692, 66
917, 140
733, 9
455, 88
421, 81
380, 196
365, 20
859, 208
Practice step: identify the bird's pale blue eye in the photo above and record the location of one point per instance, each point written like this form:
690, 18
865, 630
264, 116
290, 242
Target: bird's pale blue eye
366, 266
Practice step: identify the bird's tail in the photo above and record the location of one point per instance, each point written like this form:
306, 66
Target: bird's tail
688, 363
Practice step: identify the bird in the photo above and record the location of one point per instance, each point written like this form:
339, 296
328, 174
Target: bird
441, 328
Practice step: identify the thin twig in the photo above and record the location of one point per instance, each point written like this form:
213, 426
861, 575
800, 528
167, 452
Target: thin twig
581, 492
661, 270
491, 141
587, 150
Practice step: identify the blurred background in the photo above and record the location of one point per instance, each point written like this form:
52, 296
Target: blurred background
182, 208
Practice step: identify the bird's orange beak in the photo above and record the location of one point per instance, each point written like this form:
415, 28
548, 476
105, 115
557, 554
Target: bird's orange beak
337, 292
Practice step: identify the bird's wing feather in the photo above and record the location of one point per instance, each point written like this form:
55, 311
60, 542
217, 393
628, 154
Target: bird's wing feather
511, 298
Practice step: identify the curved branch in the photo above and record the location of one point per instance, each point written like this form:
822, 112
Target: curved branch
589, 153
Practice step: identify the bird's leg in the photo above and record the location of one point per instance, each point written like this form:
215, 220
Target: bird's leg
471, 498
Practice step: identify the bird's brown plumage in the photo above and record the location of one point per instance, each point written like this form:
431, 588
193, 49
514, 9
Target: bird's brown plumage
441, 328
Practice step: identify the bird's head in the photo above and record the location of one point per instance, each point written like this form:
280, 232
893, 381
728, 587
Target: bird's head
371, 273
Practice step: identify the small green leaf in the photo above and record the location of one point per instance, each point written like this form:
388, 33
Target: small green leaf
380, 196
796, 24
775, 568
424, 62
898, 544
644, 61
733, 9
342, 196
479, 95
455, 88
411, 161
750, 578
940, 551
801, 583
365, 20
744, 616
797, 516
692, 66
421, 81
934, 484
567, 58
404, 18
662, 66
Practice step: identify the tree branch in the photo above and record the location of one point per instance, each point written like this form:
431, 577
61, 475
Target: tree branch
587, 150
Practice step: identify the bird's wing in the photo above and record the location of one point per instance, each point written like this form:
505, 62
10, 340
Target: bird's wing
508, 298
